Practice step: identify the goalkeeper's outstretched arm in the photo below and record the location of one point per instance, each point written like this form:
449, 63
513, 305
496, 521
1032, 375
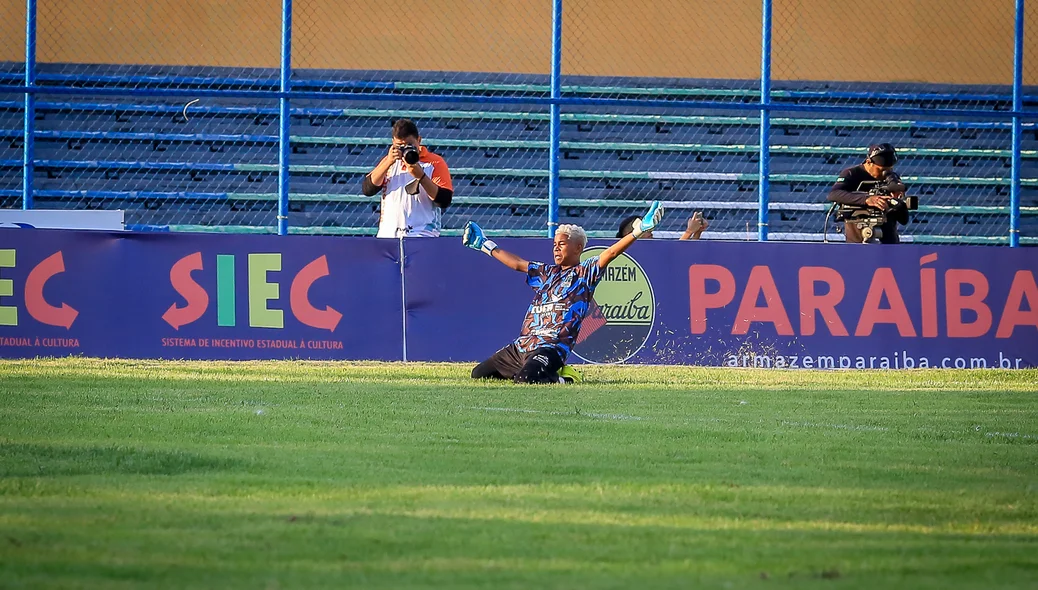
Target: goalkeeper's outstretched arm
510, 260
475, 238
646, 223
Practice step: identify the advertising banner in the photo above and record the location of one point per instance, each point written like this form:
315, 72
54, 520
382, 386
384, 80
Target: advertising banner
820, 306
461, 304
199, 296
748, 304
815, 306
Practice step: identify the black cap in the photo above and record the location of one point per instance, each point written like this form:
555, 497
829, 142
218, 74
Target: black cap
882, 154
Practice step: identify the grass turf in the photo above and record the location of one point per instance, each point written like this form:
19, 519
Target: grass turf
144, 474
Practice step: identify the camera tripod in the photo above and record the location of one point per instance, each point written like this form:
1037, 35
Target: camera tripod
867, 220
871, 233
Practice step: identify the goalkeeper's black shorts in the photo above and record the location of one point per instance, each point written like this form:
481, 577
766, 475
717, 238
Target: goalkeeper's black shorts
539, 366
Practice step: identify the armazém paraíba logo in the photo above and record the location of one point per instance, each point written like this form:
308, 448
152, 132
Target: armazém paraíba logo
622, 311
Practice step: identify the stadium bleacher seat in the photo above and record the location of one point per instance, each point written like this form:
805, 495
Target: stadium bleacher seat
216, 164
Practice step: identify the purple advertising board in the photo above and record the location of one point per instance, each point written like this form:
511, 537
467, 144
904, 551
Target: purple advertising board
745, 304
198, 296
828, 306
750, 304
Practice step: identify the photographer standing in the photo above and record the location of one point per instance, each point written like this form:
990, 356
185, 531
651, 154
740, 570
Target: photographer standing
855, 183
415, 184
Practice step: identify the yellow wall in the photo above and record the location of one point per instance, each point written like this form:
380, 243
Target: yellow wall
12, 30
960, 41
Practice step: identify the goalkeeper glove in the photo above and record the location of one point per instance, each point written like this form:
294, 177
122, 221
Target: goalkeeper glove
649, 221
475, 239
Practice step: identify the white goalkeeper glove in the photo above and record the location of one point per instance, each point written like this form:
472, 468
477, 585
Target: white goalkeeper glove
649, 221
475, 238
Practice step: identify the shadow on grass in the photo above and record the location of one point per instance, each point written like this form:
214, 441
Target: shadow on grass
47, 460
392, 551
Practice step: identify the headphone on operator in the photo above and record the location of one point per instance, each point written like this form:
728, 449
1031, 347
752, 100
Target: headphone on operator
882, 154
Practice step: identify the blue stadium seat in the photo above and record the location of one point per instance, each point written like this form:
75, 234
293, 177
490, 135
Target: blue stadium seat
216, 165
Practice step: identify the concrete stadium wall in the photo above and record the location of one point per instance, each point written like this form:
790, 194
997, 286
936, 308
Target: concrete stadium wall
968, 42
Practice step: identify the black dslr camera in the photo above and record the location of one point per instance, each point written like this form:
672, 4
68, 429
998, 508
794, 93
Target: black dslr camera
868, 219
409, 154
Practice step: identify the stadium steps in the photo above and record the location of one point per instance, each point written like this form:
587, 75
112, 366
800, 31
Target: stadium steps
966, 163
348, 141
57, 166
462, 84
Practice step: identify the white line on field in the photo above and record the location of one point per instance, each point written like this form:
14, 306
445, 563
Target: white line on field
1009, 435
588, 414
613, 416
836, 426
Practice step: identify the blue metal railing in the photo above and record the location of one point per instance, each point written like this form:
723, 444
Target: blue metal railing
284, 141
28, 146
1018, 91
764, 182
526, 100
31, 84
555, 128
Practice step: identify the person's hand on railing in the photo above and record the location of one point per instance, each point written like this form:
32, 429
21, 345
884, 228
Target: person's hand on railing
696, 224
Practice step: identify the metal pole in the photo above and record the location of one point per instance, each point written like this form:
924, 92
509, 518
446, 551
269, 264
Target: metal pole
1018, 102
556, 125
764, 184
284, 145
29, 130
403, 299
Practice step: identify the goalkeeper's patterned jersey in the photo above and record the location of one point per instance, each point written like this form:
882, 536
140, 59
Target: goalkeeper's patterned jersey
562, 299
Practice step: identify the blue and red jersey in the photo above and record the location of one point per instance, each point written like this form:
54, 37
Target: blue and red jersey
561, 301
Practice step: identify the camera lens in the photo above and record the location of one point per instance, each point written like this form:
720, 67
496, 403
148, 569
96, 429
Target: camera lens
409, 153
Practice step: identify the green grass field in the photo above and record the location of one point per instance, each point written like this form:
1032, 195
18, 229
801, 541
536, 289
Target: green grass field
144, 474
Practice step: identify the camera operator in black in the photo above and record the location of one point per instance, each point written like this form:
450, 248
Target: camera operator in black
854, 184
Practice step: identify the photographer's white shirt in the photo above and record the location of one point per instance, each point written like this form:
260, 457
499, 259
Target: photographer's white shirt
414, 215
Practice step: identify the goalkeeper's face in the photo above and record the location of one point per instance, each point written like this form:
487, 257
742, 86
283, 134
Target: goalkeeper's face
566, 250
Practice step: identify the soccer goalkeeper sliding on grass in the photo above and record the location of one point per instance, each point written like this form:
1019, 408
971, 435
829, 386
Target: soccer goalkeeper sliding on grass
562, 297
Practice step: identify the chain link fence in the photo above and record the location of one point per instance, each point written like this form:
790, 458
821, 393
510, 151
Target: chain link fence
154, 127
12, 104
917, 57
693, 59
438, 66
1029, 128
170, 111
